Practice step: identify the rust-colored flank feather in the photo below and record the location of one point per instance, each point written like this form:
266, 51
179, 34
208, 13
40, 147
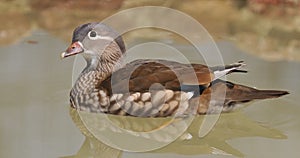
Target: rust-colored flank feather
150, 88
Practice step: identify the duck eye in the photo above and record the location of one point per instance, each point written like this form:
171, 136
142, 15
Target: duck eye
92, 34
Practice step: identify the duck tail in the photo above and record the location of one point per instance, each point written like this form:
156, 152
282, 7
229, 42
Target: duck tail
265, 94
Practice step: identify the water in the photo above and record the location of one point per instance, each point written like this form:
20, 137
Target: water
35, 120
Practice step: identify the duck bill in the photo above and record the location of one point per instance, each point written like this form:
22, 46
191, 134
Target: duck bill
73, 49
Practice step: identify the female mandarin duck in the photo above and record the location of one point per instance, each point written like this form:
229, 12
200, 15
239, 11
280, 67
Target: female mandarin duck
149, 88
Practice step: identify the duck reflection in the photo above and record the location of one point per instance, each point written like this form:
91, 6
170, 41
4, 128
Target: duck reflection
141, 134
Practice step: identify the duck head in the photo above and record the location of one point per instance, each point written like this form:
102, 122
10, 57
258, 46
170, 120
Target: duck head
97, 42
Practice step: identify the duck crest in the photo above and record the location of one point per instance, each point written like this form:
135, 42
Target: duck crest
150, 88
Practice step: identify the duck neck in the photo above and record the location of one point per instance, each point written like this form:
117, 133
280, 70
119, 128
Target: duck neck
89, 82
107, 62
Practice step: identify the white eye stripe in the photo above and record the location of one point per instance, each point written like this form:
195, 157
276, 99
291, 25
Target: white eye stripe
100, 37
104, 37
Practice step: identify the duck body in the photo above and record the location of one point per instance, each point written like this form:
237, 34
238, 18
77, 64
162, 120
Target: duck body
148, 87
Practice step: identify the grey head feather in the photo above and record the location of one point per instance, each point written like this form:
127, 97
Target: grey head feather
81, 32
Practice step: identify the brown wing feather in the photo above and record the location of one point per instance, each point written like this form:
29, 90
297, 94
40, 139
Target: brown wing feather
141, 74
240, 93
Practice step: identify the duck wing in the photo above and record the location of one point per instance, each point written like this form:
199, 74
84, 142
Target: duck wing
141, 75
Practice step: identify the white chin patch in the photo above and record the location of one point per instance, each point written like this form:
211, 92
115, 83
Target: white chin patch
80, 44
